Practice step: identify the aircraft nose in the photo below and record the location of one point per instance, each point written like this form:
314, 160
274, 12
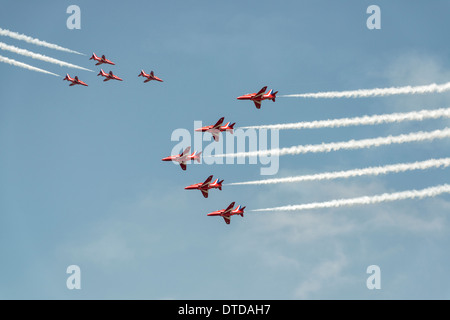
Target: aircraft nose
165, 159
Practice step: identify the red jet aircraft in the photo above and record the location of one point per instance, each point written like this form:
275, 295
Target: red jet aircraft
205, 186
74, 80
184, 157
216, 129
257, 98
101, 60
228, 212
150, 76
108, 76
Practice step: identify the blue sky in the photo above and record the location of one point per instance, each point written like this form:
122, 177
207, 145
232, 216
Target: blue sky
81, 177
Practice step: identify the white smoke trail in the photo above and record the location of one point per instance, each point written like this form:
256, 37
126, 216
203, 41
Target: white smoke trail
27, 53
377, 92
358, 121
347, 145
25, 66
410, 194
18, 36
371, 171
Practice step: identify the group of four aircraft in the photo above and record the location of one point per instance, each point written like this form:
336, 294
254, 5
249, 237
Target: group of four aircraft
110, 75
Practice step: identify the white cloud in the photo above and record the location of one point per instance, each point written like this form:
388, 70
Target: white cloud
325, 252
321, 277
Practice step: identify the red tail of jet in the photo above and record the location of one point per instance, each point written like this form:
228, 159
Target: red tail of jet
228, 127
195, 156
217, 184
271, 95
102, 73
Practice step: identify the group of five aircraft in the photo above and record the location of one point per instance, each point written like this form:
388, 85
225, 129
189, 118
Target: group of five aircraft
216, 130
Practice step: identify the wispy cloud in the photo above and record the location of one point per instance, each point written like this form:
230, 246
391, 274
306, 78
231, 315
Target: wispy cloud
321, 276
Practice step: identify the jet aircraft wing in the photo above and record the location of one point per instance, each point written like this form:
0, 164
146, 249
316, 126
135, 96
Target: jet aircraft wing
186, 151
207, 182
204, 193
260, 93
257, 104
215, 134
218, 123
229, 208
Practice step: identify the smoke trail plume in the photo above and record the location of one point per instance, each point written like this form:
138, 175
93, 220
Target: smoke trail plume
27, 53
371, 171
18, 36
386, 197
359, 121
347, 145
25, 66
377, 92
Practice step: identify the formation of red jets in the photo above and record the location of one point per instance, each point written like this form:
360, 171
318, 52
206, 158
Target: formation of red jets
110, 75
185, 156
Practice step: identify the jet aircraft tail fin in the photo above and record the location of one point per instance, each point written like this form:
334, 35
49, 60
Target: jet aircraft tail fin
231, 127
198, 156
